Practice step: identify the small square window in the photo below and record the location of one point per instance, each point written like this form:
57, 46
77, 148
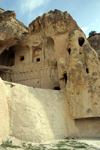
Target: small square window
38, 59
22, 58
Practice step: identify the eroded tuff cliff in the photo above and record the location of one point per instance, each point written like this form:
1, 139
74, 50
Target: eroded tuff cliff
56, 20
83, 79
78, 63
11, 30
95, 42
65, 50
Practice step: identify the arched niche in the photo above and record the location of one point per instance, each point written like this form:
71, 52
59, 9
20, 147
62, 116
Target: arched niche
22, 54
37, 55
49, 49
7, 58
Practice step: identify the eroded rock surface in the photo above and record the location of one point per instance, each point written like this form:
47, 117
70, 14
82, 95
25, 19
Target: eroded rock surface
95, 42
57, 21
52, 54
11, 30
83, 79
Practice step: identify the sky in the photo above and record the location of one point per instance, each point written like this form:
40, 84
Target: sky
85, 12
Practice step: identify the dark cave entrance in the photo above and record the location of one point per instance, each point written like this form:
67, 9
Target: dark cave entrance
81, 41
65, 78
69, 51
87, 70
56, 88
7, 58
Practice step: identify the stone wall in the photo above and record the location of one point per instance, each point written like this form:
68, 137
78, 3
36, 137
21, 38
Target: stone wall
39, 74
89, 127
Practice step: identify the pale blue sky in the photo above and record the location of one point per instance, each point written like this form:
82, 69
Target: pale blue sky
85, 12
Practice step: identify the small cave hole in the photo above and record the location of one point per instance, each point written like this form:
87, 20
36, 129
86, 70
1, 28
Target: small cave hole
80, 53
38, 59
56, 88
69, 51
87, 70
81, 41
22, 58
65, 77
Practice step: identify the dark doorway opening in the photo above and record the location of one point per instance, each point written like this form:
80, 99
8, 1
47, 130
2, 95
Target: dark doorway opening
81, 41
7, 58
38, 59
12, 55
87, 70
69, 51
11, 60
65, 77
56, 88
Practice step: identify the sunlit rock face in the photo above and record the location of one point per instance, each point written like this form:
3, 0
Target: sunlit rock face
35, 115
4, 114
83, 81
53, 53
78, 63
11, 30
55, 21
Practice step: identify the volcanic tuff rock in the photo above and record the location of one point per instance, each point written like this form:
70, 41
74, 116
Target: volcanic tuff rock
76, 59
83, 79
34, 113
56, 20
11, 30
39, 115
4, 114
95, 42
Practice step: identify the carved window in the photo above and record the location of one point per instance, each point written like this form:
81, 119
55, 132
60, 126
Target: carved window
38, 59
22, 58
37, 55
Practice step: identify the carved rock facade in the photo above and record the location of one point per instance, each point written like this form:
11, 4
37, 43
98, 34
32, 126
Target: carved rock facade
53, 53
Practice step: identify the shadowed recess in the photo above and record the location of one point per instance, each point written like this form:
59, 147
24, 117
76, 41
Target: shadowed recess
81, 41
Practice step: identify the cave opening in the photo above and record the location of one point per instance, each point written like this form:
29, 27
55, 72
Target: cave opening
7, 58
69, 51
65, 77
56, 88
87, 70
81, 41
